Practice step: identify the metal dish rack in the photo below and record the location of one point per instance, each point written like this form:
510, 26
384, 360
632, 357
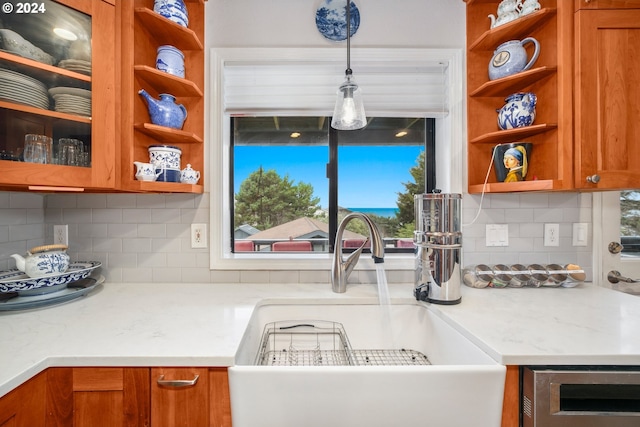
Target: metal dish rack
323, 343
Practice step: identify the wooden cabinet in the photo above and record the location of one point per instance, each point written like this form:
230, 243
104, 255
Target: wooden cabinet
179, 397
131, 397
606, 4
607, 90
98, 396
190, 397
550, 78
587, 80
98, 132
142, 32
25, 406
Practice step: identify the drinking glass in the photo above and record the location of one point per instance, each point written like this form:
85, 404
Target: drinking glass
38, 148
70, 152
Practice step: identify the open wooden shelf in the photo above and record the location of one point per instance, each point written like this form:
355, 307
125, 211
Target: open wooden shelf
510, 84
515, 29
512, 134
166, 31
165, 187
509, 187
168, 135
550, 167
148, 30
167, 83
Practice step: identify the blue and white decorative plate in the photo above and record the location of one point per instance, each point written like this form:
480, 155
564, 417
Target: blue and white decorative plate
84, 286
331, 19
15, 280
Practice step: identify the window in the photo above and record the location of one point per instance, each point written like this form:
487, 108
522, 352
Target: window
294, 179
624, 206
264, 84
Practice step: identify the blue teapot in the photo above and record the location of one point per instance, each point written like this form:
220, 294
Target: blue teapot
518, 111
165, 111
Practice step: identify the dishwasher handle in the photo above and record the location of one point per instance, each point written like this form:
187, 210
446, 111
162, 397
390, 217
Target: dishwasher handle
177, 383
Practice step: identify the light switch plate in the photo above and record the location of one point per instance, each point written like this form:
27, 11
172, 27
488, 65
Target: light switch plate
580, 233
497, 235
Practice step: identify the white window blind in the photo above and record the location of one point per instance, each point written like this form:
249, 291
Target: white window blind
394, 82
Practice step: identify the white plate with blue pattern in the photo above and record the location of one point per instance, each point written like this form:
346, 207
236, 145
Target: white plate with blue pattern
75, 290
17, 281
331, 19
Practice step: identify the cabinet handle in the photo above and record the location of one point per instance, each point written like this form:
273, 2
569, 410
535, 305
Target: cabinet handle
594, 179
177, 383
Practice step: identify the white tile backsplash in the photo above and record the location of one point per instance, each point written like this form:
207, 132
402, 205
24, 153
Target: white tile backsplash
145, 237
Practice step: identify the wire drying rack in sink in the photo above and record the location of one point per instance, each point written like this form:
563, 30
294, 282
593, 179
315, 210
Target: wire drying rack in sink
323, 343
304, 343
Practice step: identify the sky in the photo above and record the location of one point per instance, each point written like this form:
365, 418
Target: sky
369, 176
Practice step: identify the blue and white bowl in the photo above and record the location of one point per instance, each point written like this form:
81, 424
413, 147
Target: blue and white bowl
165, 157
170, 60
174, 10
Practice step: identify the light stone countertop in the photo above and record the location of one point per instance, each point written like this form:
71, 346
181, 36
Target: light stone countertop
203, 324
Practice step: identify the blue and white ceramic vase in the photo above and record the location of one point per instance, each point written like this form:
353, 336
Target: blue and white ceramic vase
165, 111
170, 60
174, 10
511, 58
518, 111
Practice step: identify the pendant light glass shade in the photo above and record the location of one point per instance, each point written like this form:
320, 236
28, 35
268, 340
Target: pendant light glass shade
349, 111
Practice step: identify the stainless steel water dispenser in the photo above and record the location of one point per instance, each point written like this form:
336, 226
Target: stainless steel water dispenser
438, 240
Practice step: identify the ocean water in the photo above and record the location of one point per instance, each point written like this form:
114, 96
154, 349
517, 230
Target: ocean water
384, 212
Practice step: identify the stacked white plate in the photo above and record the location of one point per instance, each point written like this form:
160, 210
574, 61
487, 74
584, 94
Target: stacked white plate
72, 100
23, 89
77, 65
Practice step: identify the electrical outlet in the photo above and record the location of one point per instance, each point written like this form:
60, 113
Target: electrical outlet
552, 234
198, 236
61, 235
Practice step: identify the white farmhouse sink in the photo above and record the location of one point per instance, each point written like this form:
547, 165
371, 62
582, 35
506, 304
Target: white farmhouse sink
462, 387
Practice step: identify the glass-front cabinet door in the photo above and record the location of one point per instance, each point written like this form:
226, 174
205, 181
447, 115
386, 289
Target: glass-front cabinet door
57, 94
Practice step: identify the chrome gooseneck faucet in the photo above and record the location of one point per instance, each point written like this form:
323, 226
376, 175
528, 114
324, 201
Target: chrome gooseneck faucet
341, 269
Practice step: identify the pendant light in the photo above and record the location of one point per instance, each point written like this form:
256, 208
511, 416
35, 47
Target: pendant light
349, 111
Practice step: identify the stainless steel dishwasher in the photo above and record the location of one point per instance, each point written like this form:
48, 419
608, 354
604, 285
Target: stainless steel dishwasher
580, 396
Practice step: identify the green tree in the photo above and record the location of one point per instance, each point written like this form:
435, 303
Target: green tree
405, 215
265, 199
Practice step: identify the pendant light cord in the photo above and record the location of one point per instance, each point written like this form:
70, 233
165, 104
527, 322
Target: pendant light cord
348, 72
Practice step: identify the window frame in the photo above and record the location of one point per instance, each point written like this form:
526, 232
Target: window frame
450, 142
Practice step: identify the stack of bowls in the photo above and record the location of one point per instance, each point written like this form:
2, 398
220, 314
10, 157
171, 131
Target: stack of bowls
166, 160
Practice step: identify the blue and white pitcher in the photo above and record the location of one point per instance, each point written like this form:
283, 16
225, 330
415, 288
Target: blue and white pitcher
511, 58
